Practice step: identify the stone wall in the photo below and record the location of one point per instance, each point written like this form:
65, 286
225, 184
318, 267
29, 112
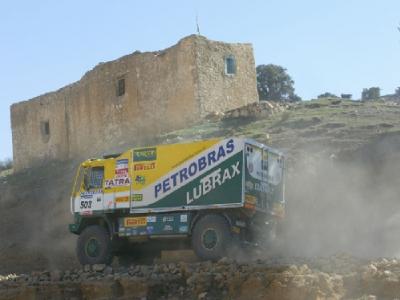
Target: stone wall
218, 91
164, 90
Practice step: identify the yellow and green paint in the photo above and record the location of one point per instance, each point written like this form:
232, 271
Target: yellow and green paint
171, 181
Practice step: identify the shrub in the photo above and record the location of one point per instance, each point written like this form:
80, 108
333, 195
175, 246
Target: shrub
6, 164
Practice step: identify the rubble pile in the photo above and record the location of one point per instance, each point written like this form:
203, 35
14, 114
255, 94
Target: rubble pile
254, 110
225, 279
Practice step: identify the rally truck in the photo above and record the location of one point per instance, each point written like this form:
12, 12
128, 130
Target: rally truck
214, 194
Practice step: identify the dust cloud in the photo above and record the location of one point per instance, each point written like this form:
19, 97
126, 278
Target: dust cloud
348, 202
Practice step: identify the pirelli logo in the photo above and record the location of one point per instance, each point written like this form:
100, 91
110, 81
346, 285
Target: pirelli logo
135, 222
122, 199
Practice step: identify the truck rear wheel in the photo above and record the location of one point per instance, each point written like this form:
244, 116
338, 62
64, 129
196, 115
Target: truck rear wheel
94, 246
211, 237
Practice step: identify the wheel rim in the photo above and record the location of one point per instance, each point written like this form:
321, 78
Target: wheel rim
209, 239
92, 247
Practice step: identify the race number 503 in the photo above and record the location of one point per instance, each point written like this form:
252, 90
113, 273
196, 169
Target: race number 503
86, 204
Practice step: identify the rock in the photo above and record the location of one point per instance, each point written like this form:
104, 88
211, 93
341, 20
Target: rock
108, 270
387, 273
145, 270
86, 268
98, 267
224, 261
202, 296
55, 275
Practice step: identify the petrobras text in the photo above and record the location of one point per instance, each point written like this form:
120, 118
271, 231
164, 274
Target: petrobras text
188, 172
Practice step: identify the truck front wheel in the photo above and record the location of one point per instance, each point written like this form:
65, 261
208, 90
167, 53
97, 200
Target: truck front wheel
94, 246
211, 237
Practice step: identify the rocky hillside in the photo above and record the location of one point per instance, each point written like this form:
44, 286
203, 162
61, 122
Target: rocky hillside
342, 196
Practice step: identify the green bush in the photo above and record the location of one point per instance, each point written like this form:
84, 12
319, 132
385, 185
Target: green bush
6, 164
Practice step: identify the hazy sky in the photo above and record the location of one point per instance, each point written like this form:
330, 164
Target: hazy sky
339, 46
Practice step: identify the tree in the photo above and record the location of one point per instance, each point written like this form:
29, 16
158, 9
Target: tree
371, 93
6, 164
275, 84
327, 95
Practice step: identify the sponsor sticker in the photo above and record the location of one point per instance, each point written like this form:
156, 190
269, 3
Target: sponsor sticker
167, 228
187, 172
145, 154
249, 185
168, 219
122, 199
140, 179
122, 168
250, 199
89, 194
183, 218
212, 181
150, 229
144, 166
86, 212
118, 181
135, 221
183, 228
151, 219
137, 197
261, 187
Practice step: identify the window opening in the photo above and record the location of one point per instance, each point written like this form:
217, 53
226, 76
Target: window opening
45, 130
230, 65
121, 87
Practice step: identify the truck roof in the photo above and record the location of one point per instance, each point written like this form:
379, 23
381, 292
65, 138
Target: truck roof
247, 140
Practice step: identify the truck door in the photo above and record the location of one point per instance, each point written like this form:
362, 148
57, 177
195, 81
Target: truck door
91, 199
256, 177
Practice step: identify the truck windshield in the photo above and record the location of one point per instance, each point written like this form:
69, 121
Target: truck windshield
93, 178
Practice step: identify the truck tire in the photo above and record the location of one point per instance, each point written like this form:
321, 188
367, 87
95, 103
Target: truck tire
94, 246
211, 237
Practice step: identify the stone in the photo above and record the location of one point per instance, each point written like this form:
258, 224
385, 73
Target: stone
224, 260
98, 267
55, 275
202, 296
108, 270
